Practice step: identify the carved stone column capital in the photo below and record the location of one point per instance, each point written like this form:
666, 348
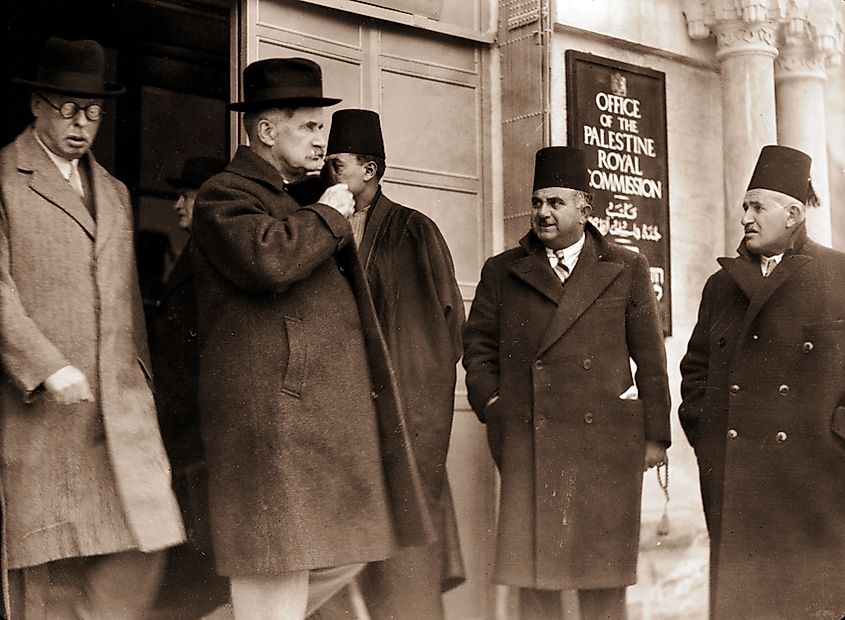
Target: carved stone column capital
800, 60
735, 38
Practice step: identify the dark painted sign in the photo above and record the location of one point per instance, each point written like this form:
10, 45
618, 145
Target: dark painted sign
616, 113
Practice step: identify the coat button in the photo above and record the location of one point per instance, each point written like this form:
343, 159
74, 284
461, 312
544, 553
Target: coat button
374, 394
783, 390
781, 437
734, 389
732, 434
721, 343
588, 418
756, 337
807, 346
587, 364
538, 364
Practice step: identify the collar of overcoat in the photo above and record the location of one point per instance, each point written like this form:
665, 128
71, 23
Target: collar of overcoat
249, 164
593, 273
46, 180
379, 212
745, 271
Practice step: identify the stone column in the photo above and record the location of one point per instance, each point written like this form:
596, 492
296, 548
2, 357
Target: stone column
746, 53
809, 40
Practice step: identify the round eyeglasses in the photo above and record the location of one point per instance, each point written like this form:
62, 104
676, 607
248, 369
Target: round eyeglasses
69, 109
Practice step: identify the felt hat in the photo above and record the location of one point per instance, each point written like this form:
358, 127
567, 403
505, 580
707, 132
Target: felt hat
355, 131
282, 82
785, 170
561, 166
196, 171
76, 68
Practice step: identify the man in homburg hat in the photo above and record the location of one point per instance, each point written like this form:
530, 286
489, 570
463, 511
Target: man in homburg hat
190, 583
547, 350
419, 305
87, 503
308, 454
764, 407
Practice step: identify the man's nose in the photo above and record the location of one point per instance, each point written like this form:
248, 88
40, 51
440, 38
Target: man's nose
746, 217
320, 140
544, 210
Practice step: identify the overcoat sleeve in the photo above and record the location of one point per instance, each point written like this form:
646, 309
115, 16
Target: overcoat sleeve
694, 367
645, 345
257, 251
481, 342
28, 356
441, 273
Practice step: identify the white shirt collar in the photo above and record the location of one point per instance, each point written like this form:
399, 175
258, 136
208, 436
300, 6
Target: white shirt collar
570, 253
765, 260
65, 166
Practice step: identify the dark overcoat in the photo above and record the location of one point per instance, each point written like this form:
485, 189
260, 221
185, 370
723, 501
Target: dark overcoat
420, 310
764, 407
308, 454
569, 450
89, 478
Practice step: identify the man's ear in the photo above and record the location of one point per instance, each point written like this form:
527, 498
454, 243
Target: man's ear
794, 215
370, 170
266, 132
34, 104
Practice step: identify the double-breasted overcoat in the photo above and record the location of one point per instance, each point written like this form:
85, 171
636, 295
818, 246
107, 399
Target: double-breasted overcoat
308, 454
570, 451
89, 478
764, 407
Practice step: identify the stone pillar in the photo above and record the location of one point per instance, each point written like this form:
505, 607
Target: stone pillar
746, 53
800, 76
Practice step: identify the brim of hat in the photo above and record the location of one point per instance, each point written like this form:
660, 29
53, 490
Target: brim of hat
300, 102
109, 89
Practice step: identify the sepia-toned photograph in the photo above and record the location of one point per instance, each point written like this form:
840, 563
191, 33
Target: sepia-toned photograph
408, 309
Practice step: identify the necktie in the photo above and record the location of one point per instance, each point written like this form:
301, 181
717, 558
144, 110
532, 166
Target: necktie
560, 268
769, 265
75, 180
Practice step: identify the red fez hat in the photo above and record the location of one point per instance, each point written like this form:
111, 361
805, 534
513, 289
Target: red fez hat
785, 170
561, 166
282, 82
355, 131
76, 68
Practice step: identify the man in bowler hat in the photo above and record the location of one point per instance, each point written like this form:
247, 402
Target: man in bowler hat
764, 407
547, 350
87, 503
190, 583
420, 309
310, 468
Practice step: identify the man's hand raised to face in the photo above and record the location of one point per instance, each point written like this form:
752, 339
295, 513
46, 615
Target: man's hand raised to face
339, 198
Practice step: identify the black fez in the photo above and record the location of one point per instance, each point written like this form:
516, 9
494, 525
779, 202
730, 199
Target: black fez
282, 82
196, 171
75, 68
561, 166
355, 131
785, 170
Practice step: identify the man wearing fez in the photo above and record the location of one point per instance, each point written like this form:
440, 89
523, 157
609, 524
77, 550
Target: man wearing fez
190, 582
548, 343
308, 454
764, 407
419, 305
87, 503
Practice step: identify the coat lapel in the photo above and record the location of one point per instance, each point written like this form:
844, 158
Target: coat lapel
379, 213
746, 274
591, 276
46, 181
106, 201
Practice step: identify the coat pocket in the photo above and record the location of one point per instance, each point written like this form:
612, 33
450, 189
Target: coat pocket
297, 348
